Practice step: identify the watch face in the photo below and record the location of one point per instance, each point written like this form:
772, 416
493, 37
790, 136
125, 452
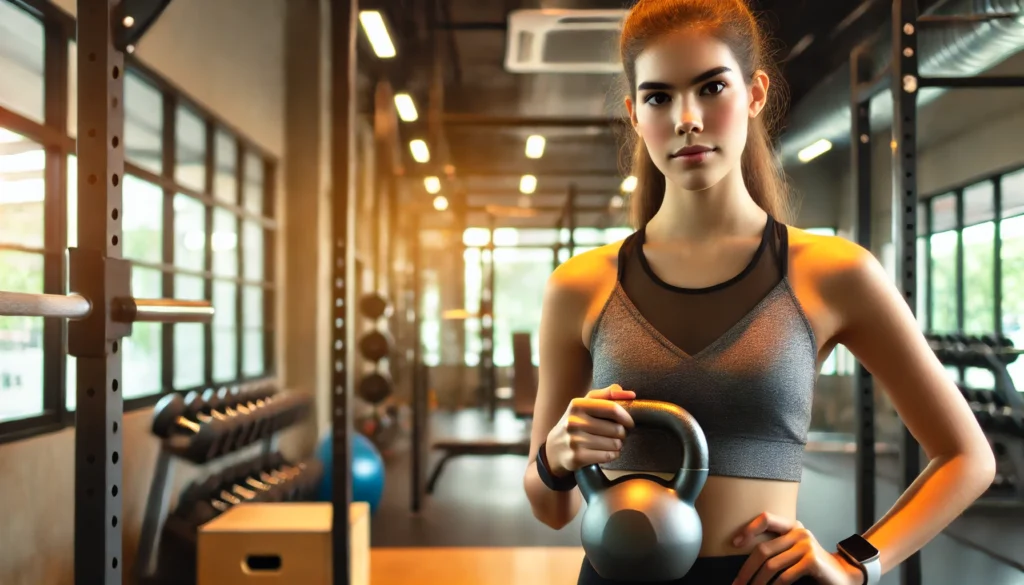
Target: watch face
859, 548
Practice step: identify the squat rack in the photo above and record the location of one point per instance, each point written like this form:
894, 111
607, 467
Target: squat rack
901, 76
100, 307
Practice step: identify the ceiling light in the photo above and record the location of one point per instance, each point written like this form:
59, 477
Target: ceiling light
629, 184
528, 184
440, 203
432, 184
128, 22
535, 146
814, 151
377, 33
420, 152
616, 202
406, 107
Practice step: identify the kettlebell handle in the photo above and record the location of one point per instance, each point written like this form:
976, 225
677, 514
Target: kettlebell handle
690, 478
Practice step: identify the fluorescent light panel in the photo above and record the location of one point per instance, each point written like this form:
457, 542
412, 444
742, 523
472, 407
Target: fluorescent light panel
377, 33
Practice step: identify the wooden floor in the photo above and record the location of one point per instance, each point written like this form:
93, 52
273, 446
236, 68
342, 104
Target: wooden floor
475, 566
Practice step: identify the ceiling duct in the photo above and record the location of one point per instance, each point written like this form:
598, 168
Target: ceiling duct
960, 50
563, 40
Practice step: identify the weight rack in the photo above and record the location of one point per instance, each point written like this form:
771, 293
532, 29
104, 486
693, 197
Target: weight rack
902, 78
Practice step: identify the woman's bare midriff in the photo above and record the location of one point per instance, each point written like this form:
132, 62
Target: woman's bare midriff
727, 504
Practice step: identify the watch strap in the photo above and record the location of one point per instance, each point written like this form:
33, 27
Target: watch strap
554, 483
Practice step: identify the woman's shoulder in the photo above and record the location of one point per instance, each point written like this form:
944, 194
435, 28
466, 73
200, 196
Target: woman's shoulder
839, 269
587, 276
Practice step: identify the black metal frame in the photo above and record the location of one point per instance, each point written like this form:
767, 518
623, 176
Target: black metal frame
343, 18
904, 81
61, 29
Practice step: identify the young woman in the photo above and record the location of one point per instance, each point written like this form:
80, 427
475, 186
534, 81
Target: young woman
715, 304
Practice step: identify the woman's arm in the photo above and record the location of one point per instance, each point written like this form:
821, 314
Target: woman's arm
876, 325
564, 374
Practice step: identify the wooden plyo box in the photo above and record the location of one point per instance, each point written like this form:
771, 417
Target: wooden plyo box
287, 543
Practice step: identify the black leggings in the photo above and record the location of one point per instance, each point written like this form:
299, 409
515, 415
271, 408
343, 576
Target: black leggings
705, 571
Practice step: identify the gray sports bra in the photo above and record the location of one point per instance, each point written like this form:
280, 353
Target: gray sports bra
740, 356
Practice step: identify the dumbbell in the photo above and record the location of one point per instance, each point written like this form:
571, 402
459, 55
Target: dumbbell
253, 404
240, 425
200, 409
198, 439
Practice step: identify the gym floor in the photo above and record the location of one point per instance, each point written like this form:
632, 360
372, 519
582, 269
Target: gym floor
479, 502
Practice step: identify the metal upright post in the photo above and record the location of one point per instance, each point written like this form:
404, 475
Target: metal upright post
491, 382
570, 217
343, 105
419, 387
904, 181
860, 140
99, 274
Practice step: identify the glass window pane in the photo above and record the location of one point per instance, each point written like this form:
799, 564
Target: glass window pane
979, 278
252, 247
979, 203
22, 189
189, 232
190, 149
922, 219
189, 338
21, 62
1013, 194
254, 184
944, 212
922, 284
141, 367
143, 220
72, 97
21, 340
252, 341
143, 123
225, 327
944, 298
225, 180
225, 243
1012, 255
72, 179
521, 276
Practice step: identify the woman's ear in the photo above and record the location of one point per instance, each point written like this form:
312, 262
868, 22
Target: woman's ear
632, 115
758, 93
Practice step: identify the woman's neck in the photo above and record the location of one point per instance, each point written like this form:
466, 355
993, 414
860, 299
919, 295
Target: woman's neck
722, 210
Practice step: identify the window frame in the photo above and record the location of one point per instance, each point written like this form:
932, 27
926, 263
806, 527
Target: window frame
54, 137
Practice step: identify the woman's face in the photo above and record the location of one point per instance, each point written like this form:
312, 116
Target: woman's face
693, 106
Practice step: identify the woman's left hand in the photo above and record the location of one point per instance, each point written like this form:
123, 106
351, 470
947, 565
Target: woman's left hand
794, 554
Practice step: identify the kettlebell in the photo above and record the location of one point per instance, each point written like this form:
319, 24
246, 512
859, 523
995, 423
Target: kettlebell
640, 527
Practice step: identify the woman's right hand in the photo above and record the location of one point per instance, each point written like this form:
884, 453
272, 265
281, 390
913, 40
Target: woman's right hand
591, 431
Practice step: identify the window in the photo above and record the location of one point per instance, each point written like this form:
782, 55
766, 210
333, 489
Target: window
196, 226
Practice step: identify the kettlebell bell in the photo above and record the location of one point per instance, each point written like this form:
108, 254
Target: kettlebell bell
640, 527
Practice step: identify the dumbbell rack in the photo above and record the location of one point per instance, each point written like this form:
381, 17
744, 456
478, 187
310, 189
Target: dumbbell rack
999, 410
256, 424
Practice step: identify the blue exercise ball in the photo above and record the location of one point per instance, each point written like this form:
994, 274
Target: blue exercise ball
367, 470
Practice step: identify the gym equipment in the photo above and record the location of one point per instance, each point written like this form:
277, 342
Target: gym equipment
374, 306
196, 439
640, 527
367, 471
376, 345
262, 479
279, 544
375, 387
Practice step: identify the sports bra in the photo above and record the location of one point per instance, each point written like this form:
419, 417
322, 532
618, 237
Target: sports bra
740, 356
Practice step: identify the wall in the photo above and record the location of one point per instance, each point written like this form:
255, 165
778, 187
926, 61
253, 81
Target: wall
228, 55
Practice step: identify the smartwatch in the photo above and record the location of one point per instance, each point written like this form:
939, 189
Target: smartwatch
864, 556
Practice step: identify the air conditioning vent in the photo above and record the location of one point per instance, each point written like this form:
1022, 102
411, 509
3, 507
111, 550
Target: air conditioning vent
564, 41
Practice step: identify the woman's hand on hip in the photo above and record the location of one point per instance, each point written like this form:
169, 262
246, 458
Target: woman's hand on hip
794, 554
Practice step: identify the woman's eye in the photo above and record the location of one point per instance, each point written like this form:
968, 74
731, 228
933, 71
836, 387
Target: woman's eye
654, 97
715, 87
